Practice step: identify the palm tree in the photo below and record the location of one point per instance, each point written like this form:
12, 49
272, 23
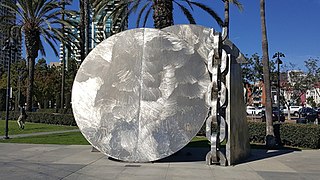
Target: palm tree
86, 25
84, 28
36, 20
162, 11
270, 137
227, 12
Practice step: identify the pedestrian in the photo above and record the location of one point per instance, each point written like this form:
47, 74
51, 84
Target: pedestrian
22, 118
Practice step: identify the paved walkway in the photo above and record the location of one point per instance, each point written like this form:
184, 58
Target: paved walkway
33, 161
42, 133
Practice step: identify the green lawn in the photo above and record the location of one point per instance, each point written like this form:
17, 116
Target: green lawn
70, 138
199, 141
31, 128
77, 138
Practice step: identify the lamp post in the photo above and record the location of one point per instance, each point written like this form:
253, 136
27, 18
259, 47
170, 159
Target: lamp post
20, 76
278, 61
9, 45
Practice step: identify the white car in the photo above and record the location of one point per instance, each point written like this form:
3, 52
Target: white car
294, 110
251, 110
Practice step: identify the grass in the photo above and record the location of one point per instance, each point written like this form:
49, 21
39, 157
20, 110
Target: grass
199, 141
31, 128
76, 138
69, 138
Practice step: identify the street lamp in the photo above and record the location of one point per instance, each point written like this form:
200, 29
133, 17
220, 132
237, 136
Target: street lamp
10, 46
278, 61
20, 77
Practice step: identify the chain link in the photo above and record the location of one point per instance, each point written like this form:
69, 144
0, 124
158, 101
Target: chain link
216, 99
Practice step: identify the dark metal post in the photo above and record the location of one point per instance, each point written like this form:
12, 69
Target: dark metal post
63, 61
8, 46
19, 87
278, 92
278, 61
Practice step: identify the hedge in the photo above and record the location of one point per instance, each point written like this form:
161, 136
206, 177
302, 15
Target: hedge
297, 135
47, 118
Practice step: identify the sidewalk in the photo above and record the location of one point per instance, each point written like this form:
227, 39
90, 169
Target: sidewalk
42, 133
33, 161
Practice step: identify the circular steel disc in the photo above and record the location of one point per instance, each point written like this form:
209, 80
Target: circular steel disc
139, 95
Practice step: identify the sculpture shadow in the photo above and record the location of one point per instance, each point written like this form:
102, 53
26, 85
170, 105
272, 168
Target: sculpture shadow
259, 152
197, 151
187, 154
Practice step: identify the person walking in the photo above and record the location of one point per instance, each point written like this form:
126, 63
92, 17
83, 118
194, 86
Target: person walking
22, 118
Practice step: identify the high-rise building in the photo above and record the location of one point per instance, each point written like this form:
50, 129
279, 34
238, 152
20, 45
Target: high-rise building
4, 36
97, 32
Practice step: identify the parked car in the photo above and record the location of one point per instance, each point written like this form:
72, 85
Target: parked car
294, 110
275, 112
309, 114
251, 110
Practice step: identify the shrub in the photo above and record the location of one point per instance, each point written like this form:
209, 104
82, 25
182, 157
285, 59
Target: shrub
299, 135
52, 110
47, 118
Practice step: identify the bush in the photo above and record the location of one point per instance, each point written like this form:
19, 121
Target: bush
299, 135
52, 110
47, 118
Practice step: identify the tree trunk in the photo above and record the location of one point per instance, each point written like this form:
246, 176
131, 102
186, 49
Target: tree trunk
87, 26
32, 41
163, 13
270, 138
289, 113
31, 62
82, 30
226, 17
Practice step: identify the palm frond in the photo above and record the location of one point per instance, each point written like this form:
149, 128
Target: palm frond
209, 11
8, 4
140, 14
186, 12
237, 4
146, 17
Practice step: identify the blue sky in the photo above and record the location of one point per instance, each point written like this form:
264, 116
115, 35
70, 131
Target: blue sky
293, 27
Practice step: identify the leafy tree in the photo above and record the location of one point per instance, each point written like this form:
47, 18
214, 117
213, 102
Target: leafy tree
18, 72
252, 71
312, 79
311, 102
70, 75
162, 11
270, 137
36, 19
43, 86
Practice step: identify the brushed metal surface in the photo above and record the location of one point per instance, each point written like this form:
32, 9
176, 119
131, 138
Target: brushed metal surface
233, 127
139, 95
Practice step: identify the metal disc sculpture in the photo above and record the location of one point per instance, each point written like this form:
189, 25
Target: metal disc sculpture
140, 95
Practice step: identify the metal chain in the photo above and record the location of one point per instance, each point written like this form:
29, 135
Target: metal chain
216, 99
